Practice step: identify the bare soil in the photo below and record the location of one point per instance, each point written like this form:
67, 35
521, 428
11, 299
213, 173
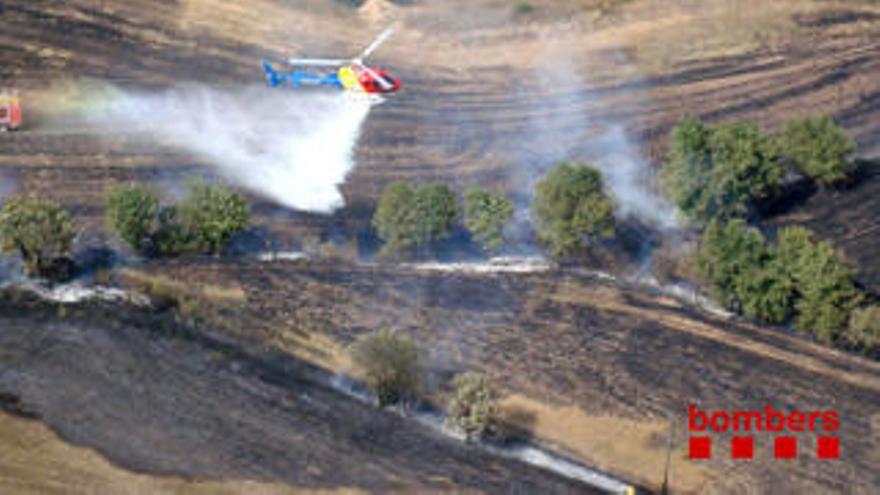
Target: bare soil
157, 397
574, 341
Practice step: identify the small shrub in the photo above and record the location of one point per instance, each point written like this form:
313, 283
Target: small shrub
486, 214
864, 327
571, 208
472, 406
131, 214
409, 218
392, 365
41, 232
819, 147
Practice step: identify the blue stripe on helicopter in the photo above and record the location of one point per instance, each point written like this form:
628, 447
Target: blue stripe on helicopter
297, 78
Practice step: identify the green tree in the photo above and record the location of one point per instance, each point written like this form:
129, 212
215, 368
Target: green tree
171, 238
472, 406
394, 217
687, 175
437, 211
571, 208
209, 216
766, 292
411, 218
745, 168
392, 365
486, 214
743, 272
819, 147
824, 283
719, 172
131, 214
41, 231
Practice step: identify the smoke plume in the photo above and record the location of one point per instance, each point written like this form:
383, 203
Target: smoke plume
572, 121
292, 148
629, 179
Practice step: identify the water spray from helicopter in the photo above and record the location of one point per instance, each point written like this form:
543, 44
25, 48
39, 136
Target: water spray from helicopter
291, 147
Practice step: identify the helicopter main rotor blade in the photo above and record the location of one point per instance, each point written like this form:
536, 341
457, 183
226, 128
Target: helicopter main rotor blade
375, 44
317, 62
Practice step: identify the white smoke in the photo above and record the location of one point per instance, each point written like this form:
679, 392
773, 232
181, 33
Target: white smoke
629, 179
571, 121
292, 148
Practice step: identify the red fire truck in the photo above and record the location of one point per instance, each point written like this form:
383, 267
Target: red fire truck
10, 110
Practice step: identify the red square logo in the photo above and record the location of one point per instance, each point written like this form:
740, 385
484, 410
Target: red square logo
742, 447
828, 447
785, 447
700, 448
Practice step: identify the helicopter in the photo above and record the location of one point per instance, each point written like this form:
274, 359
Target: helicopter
349, 74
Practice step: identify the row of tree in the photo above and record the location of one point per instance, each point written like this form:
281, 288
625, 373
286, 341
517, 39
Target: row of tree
204, 222
725, 171
571, 210
719, 175
799, 277
716, 175
410, 218
42, 231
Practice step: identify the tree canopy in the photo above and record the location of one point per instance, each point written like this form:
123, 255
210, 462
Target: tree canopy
800, 276
819, 147
719, 172
41, 231
486, 213
824, 283
864, 327
204, 222
391, 363
472, 406
412, 217
743, 272
131, 214
572, 209
210, 215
